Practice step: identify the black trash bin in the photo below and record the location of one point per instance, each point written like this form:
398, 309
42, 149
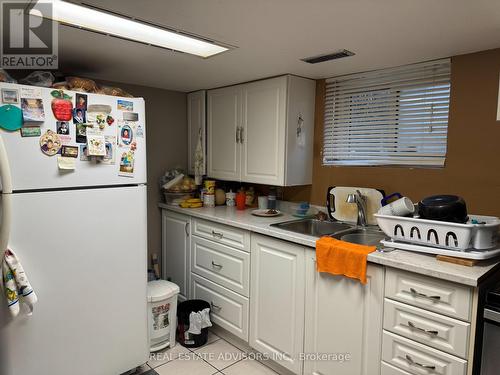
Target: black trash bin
185, 338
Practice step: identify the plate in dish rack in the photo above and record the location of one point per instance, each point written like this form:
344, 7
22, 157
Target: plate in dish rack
467, 254
266, 213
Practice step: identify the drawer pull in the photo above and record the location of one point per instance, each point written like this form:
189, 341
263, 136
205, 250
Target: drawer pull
214, 306
413, 363
418, 294
413, 326
216, 265
217, 234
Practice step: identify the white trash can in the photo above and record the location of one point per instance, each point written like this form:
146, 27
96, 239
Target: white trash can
162, 312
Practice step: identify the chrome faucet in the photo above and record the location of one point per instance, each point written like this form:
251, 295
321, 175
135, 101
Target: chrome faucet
360, 200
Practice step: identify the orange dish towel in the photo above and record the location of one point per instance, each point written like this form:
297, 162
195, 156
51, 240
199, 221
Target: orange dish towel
342, 258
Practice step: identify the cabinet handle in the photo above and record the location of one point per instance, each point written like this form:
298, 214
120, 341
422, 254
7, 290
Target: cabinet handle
238, 134
216, 265
241, 135
214, 306
186, 226
418, 294
413, 326
413, 363
217, 234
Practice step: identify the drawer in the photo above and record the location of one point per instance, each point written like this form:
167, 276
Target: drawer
387, 369
429, 293
439, 331
229, 310
419, 359
221, 264
220, 233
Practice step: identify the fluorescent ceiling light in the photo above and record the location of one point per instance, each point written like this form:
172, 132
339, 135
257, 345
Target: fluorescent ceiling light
111, 24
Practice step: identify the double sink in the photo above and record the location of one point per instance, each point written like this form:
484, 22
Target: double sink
369, 235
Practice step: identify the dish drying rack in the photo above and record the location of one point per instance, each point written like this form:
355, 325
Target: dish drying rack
476, 239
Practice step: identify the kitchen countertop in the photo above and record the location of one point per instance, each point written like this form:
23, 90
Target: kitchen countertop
405, 260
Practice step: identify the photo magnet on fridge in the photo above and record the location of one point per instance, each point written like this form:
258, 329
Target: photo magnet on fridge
79, 116
81, 101
125, 135
50, 143
130, 116
10, 96
31, 131
110, 150
83, 153
81, 133
32, 110
127, 160
69, 151
124, 105
62, 127
96, 143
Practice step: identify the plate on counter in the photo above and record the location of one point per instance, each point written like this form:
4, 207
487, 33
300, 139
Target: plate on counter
266, 213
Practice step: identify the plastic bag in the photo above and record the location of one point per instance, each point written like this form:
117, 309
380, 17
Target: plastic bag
38, 78
5, 77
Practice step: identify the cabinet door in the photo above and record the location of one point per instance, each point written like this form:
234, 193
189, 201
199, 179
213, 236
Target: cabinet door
277, 300
176, 244
196, 117
343, 317
264, 129
223, 121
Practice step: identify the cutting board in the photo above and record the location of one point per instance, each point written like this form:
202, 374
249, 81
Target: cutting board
342, 211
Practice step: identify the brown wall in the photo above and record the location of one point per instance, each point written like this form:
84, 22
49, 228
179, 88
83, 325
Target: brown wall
166, 142
473, 157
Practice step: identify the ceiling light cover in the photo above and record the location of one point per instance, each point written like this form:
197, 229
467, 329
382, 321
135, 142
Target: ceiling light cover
111, 24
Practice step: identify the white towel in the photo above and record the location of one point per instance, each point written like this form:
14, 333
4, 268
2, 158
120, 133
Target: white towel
16, 284
198, 321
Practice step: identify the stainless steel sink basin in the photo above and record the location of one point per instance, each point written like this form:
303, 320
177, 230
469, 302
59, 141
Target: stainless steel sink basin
361, 236
313, 227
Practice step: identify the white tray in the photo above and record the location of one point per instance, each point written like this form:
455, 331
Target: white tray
467, 254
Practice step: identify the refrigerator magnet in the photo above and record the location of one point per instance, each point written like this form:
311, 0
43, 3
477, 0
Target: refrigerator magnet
139, 132
66, 163
31, 131
127, 160
50, 143
125, 105
81, 133
96, 145
97, 118
69, 151
84, 156
125, 135
11, 117
33, 110
110, 145
62, 106
130, 116
10, 96
81, 101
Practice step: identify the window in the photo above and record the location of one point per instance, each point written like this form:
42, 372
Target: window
396, 116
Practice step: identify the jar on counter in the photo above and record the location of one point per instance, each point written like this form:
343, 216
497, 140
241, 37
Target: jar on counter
230, 199
240, 200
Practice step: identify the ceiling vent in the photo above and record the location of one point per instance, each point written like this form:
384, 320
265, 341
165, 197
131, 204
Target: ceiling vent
330, 56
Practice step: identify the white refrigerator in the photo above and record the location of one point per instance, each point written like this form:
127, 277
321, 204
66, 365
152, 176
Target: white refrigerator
80, 235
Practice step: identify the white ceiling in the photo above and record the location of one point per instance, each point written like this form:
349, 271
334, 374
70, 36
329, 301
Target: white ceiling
273, 35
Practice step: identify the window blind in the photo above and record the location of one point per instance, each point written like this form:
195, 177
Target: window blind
396, 116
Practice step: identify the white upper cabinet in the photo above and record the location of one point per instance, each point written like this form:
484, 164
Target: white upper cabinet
224, 121
262, 132
196, 116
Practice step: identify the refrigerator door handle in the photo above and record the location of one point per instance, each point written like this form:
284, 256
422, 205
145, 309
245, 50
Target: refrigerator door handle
6, 197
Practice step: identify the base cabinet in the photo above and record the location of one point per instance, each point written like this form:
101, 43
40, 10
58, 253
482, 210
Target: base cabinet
343, 320
277, 300
176, 250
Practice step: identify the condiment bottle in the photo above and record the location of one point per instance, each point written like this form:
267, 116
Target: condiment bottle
240, 200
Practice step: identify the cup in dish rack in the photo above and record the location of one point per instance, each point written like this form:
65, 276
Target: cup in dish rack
401, 207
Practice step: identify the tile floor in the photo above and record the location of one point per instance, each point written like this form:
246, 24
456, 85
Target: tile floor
216, 357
